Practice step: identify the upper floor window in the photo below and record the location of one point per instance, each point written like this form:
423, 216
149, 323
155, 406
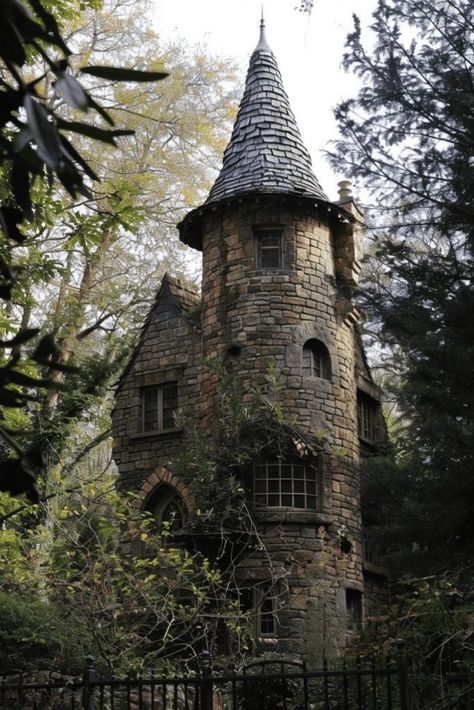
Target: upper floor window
269, 249
367, 413
316, 360
159, 404
280, 483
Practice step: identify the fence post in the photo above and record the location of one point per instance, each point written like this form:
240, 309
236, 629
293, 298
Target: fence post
205, 664
403, 680
88, 677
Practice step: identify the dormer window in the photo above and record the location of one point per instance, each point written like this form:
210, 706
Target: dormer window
269, 249
159, 404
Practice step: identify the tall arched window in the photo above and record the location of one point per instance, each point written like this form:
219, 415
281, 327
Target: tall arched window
316, 360
167, 507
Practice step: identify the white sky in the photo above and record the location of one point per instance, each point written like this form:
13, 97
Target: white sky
308, 49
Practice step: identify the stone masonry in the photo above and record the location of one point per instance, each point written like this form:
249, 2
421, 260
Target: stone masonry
260, 317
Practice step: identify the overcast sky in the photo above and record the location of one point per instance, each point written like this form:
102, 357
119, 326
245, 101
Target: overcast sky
308, 50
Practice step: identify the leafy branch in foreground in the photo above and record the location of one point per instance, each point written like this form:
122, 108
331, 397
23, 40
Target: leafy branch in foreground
35, 144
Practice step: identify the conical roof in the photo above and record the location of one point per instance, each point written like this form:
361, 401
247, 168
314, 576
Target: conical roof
265, 152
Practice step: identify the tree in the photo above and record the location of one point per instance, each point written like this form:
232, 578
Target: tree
409, 139
34, 145
92, 246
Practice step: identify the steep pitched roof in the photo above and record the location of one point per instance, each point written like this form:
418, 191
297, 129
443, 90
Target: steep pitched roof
187, 304
265, 152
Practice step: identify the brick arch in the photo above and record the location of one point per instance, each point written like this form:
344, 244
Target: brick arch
159, 476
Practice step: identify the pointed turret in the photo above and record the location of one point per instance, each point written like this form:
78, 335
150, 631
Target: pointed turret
265, 153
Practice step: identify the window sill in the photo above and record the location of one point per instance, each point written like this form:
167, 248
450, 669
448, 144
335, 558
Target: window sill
291, 515
161, 432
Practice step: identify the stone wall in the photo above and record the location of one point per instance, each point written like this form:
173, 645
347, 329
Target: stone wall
169, 350
263, 318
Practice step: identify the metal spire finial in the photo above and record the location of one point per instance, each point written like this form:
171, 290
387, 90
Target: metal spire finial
262, 43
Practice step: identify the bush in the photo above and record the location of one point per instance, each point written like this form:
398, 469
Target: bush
36, 635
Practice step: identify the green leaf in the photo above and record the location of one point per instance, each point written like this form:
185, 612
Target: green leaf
100, 134
93, 104
69, 149
123, 74
72, 92
44, 132
21, 337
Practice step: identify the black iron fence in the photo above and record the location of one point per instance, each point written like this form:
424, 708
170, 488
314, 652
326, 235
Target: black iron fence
263, 685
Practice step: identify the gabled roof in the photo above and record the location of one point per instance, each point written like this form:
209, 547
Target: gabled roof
265, 152
187, 303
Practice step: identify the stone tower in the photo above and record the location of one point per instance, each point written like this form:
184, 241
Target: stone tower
280, 262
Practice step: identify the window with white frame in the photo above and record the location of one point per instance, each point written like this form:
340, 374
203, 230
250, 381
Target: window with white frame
159, 404
282, 483
316, 360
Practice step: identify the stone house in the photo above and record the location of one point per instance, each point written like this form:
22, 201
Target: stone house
280, 262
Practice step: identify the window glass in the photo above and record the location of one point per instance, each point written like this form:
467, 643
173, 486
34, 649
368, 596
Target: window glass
353, 610
269, 249
366, 412
316, 360
284, 484
167, 507
159, 404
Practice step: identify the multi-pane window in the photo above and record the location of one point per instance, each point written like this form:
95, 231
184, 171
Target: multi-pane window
159, 404
366, 411
269, 250
284, 484
316, 360
353, 610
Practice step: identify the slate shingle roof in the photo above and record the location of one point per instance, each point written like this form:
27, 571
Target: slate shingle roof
265, 152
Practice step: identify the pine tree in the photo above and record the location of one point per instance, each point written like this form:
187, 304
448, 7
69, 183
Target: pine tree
409, 139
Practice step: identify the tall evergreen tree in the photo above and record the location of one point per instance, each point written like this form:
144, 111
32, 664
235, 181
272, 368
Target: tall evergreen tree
409, 139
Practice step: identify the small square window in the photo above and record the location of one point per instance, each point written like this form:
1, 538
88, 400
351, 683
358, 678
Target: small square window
159, 404
269, 249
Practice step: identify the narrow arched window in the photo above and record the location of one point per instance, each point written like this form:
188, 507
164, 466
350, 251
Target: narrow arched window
167, 507
316, 360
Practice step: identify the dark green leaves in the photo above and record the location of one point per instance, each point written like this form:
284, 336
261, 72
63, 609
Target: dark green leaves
72, 92
32, 144
123, 74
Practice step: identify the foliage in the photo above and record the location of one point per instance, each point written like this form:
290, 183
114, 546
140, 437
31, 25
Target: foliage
35, 145
241, 429
433, 615
35, 634
408, 136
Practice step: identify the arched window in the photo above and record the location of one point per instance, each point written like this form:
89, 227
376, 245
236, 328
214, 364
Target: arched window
167, 507
285, 483
316, 360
